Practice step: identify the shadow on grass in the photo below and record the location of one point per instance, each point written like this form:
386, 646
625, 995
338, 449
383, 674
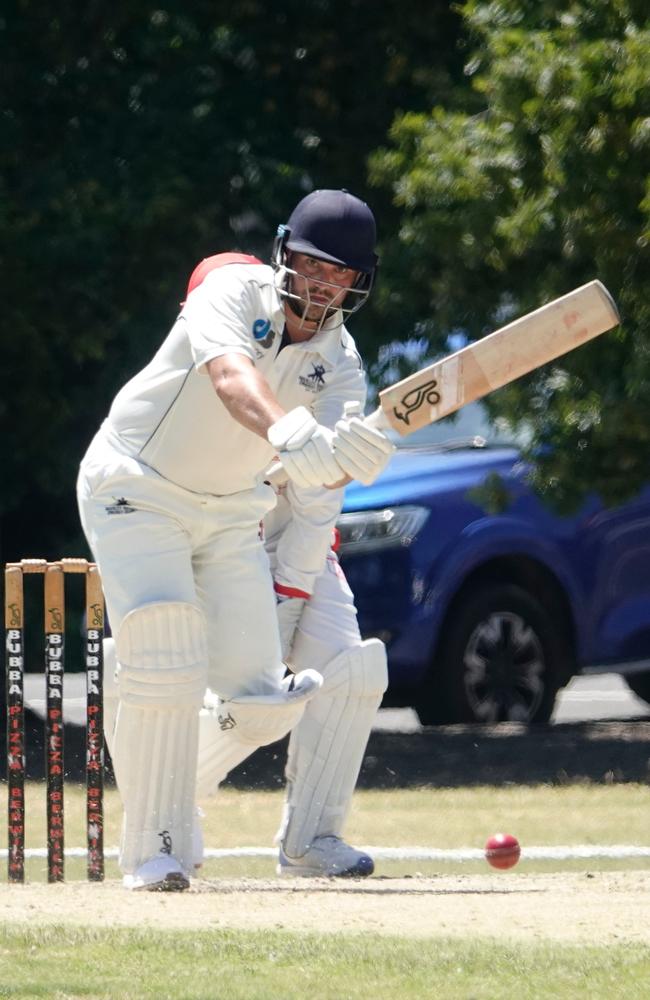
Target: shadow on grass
455, 756
446, 756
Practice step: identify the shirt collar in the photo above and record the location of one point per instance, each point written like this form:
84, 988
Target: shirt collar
327, 342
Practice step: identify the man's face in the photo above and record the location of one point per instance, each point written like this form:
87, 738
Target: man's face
321, 286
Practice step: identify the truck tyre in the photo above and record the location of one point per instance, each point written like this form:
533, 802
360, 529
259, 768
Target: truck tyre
503, 657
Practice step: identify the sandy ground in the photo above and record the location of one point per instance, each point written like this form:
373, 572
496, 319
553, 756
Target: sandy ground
589, 907
584, 907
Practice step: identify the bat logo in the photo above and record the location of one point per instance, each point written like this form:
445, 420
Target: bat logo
98, 615
226, 722
414, 399
56, 620
165, 836
14, 616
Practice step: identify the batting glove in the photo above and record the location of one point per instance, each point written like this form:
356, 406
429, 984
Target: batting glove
305, 449
361, 451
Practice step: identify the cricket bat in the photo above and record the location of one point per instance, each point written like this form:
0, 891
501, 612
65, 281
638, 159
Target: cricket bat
495, 360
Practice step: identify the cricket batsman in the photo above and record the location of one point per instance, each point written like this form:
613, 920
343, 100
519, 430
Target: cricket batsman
171, 491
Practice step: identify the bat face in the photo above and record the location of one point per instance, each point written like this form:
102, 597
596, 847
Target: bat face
507, 354
414, 399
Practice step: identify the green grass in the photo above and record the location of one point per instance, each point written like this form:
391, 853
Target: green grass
429, 817
71, 963
65, 962
434, 817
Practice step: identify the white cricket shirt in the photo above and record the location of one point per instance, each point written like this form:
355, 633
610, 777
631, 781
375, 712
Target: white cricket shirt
169, 416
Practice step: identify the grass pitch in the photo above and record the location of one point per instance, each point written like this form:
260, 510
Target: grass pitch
543, 815
100, 960
238, 965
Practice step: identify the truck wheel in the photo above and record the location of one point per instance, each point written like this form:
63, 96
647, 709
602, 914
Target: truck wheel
502, 658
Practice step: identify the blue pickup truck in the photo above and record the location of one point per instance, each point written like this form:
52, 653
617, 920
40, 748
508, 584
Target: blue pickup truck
486, 616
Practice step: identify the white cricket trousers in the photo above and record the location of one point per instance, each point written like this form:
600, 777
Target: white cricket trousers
155, 541
328, 625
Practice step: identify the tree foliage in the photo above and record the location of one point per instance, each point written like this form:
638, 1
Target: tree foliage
544, 188
138, 138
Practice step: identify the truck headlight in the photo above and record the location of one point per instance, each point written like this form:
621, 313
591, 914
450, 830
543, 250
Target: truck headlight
369, 530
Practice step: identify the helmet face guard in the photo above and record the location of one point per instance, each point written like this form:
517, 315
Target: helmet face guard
337, 228
355, 297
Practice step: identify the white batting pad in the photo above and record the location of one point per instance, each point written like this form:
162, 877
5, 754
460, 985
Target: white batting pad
230, 731
327, 746
162, 654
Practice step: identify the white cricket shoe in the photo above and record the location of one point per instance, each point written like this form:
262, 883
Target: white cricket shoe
330, 857
162, 873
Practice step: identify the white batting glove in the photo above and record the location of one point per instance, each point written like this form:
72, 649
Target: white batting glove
361, 451
305, 449
290, 606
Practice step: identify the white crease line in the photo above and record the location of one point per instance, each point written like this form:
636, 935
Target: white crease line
579, 851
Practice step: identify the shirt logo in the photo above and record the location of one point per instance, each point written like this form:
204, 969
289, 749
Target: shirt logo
226, 722
121, 506
263, 332
315, 381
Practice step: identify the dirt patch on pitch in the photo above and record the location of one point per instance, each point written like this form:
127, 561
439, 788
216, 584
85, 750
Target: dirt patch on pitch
588, 908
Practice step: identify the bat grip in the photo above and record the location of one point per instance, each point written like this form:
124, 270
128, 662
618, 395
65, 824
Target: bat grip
275, 476
377, 420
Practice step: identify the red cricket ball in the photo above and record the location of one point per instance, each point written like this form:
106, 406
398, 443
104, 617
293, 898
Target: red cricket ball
502, 850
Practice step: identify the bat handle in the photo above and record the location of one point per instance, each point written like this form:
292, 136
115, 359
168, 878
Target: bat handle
377, 420
275, 476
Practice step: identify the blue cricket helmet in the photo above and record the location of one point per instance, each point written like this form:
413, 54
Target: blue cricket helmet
334, 226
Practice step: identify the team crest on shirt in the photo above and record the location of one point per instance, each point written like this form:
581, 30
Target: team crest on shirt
315, 380
263, 332
121, 506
